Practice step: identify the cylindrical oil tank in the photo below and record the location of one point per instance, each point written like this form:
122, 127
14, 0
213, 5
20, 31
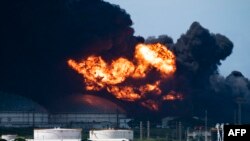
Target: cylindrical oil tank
57, 134
111, 134
8, 137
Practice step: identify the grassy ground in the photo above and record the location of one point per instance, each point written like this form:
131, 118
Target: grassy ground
158, 139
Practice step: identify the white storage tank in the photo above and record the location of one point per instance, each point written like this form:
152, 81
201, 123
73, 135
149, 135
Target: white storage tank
57, 134
111, 134
8, 137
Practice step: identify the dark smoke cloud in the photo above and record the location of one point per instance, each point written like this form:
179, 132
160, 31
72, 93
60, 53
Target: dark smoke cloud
200, 52
239, 84
39, 36
198, 55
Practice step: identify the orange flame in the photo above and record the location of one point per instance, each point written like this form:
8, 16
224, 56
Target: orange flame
172, 95
151, 88
155, 55
125, 93
98, 74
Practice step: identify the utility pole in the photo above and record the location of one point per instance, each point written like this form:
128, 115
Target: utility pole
180, 132
222, 131
140, 130
177, 130
187, 134
148, 129
206, 125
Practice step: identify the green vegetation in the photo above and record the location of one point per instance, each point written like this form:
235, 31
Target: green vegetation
20, 139
158, 139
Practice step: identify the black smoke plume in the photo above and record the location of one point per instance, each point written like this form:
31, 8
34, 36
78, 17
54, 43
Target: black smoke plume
39, 36
199, 54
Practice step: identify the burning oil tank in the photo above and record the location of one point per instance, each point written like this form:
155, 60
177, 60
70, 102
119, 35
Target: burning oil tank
111, 135
57, 134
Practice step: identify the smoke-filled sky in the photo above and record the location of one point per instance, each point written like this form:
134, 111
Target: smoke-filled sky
39, 37
173, 17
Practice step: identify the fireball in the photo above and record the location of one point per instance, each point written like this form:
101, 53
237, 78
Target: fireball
99, 75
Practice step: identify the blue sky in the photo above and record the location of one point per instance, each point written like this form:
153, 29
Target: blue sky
173, 17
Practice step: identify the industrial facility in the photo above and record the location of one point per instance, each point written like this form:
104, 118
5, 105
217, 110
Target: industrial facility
75, 134
86, 112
